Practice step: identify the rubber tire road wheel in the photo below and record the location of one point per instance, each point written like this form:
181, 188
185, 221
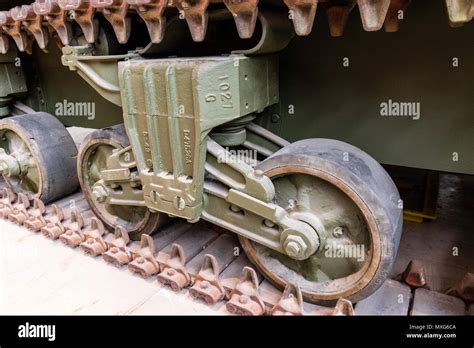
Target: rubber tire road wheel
365, 187
53, 151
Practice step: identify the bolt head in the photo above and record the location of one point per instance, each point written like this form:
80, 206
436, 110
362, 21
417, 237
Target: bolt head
268, 223
100, 194
294, 246
293, 249
338, 232
235, 208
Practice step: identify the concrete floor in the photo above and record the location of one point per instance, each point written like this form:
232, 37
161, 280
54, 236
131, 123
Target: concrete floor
40, 276
436, 242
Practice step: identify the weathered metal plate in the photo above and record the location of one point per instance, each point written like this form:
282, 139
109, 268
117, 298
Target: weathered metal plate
428, 302
222, 249
392, 298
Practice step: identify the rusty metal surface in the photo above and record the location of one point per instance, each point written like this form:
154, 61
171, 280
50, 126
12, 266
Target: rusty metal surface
207, 266
116, 12
14, 29
173, 270
195, 13
343, 308
73, 235
117, 252
174, 258
337, 14
151, 11
56, 18
145, 262
7, 209
82, 12
245, 14
94, 243
245, 298
35, 219
290, 303
372, 13
302, 13
30, 22
207, 285
415, 275
51, 215
395, 12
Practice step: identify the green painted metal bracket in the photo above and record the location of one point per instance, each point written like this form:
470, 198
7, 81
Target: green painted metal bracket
101, 72
171, 105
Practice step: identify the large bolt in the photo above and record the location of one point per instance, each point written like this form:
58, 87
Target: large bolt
294, 246
100, 194
293, 249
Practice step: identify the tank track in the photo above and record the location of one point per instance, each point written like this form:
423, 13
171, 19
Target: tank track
204, 260
214, 271
39, 20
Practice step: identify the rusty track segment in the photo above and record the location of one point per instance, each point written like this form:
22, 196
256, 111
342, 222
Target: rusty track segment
151, 11
116, 12
56, 18
82, 12
202, 260
14, 29
28, 23
32, 22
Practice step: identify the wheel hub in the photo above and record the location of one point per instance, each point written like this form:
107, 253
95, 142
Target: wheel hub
9, 165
